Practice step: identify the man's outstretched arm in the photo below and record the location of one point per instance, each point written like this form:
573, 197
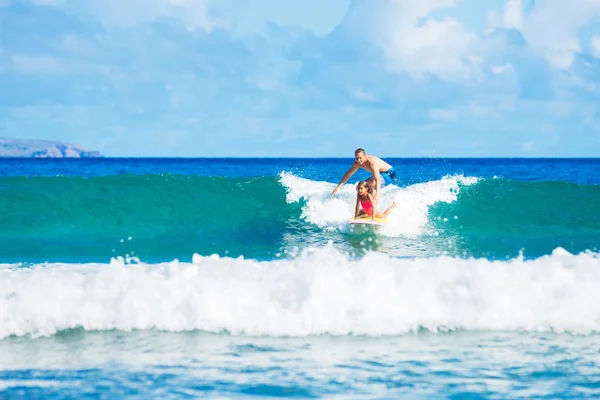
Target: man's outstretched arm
345, 178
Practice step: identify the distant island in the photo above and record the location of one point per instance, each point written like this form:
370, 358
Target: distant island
43, 149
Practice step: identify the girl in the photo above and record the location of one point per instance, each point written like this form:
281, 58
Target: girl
364, 199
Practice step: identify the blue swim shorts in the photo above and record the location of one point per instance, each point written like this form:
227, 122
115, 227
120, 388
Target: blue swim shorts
388, 176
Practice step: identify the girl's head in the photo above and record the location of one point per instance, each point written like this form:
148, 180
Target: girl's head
363, 188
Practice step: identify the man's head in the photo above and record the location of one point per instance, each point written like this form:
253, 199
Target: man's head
360, 156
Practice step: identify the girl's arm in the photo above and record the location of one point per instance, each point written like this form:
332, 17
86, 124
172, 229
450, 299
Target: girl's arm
357, 208
374, 203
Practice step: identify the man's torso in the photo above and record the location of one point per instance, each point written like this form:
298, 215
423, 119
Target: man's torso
375, 163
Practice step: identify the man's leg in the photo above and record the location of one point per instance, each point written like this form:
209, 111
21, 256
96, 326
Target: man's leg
371, 182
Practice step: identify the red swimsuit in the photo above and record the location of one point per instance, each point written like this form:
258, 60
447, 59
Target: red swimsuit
367, 206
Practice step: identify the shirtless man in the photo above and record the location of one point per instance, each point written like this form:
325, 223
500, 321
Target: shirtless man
381, 171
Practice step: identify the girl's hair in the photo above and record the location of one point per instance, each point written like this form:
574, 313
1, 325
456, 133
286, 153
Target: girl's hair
364, 184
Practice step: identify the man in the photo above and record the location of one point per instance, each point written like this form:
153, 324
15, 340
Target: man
383, 173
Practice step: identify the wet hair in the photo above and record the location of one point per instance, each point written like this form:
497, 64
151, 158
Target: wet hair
364, 184
358, 151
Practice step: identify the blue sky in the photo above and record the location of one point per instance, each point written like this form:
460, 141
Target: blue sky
196, 78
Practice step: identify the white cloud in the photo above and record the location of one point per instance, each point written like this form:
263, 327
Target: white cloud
439, 114
37, 64
551, 29
361, 94
117, 13
48, 2
415, 43
441, 48
195, 13
502, 69
483, 108
247, 17
202, 13
595, 46
513, 14
476, 110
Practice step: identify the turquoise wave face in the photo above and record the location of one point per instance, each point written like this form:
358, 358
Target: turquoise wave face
166, 217
150, 217
497, 217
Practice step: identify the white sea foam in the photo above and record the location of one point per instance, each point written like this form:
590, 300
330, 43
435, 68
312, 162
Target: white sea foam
320, 292
409, 218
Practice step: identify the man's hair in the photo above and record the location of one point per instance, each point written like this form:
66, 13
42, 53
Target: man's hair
359, 150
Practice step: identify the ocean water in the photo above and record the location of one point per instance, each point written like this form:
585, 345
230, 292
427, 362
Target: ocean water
240, 278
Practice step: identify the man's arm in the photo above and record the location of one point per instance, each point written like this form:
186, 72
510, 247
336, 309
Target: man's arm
346, 176
377, 164
374, 204
377, 177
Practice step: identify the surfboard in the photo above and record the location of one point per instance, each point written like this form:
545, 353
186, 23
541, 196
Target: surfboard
366, 220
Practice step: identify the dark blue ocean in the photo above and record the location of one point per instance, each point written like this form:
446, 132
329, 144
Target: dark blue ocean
239, 278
